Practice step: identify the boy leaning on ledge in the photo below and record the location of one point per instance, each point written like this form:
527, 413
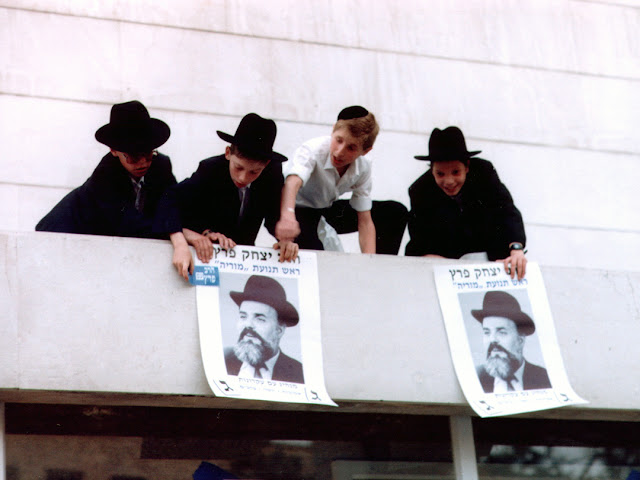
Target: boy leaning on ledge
226, 200
121, 196
323, 169
460, 206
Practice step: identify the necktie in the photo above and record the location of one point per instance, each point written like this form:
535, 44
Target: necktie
244, 200
510, 382
257, 369
138, 188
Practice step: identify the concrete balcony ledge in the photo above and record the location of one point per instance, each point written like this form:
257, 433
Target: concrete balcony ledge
106, 320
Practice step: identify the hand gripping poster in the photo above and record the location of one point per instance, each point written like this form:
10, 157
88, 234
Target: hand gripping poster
259, 323
502, 339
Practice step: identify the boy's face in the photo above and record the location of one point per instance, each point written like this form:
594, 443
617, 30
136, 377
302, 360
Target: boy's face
136, 164
345, 148
242, 170
450, 176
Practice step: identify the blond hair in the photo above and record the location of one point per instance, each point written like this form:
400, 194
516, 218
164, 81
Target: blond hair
365, 128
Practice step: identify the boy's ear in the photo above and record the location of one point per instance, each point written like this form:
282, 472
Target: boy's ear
367, 150
227, 152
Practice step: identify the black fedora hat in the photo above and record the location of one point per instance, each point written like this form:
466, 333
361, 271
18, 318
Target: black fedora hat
502, 304
254, 137
268, 291
132, 130
447, 145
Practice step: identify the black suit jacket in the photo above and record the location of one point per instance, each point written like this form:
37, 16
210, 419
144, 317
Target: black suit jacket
105, 203
485, 219
533, 378
286, 368
209, 200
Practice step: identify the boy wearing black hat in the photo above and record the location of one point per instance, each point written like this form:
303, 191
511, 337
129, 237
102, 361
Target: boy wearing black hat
460, 206
321, 171
226, 200
121, 197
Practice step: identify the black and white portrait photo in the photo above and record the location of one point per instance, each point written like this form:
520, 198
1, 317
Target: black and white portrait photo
502, 339
263, 316
259, 326
506, 331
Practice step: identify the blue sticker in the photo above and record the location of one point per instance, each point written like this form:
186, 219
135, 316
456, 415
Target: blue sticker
205, 275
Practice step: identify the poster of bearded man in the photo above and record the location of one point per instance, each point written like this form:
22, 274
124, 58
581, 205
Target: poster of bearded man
259, 323
502, 339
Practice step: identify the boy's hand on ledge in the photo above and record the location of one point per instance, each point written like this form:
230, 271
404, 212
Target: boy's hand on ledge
287, 229
515, 263
183, 261
202, 244
225, 242
288, 251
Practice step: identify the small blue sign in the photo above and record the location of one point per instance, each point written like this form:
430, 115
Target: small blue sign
205, 275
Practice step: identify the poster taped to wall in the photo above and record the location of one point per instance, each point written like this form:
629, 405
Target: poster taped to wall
259, 323
502, 339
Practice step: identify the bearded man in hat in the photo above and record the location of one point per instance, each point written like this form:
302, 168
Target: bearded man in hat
264, 315
121, 197
505, 328
460, 206
228, 197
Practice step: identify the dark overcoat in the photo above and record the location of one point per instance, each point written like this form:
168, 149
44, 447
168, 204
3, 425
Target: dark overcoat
209, 200
105, 203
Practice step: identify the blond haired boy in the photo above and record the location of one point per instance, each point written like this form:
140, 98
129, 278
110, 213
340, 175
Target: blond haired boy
323, 169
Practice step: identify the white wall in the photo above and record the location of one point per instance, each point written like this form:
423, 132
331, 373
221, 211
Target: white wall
548, 89
74, 324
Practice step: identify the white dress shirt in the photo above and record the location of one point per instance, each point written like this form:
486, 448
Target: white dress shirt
322, 184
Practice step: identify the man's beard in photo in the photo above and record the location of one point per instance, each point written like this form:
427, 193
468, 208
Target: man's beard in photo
501, 366
253, 351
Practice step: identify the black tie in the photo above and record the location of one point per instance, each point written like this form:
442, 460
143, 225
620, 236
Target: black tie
257, 369
244, 201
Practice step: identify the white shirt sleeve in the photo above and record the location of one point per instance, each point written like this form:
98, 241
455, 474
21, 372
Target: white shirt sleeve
361, 192
302, 164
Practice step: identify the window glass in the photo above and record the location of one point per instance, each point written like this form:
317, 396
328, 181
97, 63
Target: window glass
137, 443
519, 448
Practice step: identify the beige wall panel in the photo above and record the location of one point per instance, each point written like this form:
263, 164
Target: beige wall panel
548, 34
133, 328
605, 37
9, 312
572, 247
49, 142
96, 353
60, 57
568, 187
196, 14
21, 206
590, 349
232, 75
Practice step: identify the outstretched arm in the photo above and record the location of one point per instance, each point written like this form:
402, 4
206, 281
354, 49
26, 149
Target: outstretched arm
287, 228
366, 232
182, 259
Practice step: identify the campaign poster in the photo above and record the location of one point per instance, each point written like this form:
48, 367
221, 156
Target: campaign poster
502, 339
259, 323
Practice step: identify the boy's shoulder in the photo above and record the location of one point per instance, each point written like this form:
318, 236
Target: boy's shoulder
218, 162
318, 144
